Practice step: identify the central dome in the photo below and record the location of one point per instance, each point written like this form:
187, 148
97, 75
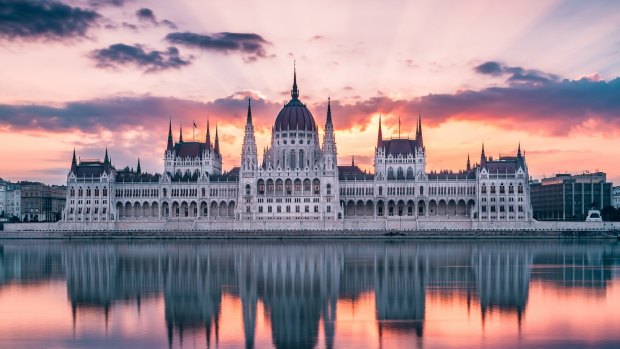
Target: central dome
295, 116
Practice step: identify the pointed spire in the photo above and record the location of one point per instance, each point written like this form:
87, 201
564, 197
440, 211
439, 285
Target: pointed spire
418, 136
181, 134
468, 163
249, 120
216, 147
398, 127
328, 122
138, 169
294, 91
106, 160
208, 137
170, 141
483, 157
74, 160
519, 150
380, 133
352, 160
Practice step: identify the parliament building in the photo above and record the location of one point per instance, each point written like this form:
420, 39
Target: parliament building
297, 179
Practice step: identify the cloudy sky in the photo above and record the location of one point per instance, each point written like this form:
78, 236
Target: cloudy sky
91, 74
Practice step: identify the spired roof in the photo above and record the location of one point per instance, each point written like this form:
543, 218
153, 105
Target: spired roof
190, 149
353, 173
295, 116
397, 147
92, 169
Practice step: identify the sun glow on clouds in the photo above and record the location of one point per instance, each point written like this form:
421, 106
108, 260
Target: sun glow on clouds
371, 59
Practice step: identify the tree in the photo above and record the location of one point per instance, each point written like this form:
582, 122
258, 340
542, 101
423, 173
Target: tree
610, 214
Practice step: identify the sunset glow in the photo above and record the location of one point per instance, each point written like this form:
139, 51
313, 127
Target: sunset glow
542, 73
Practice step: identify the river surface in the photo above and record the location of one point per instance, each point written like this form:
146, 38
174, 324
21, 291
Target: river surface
309, 294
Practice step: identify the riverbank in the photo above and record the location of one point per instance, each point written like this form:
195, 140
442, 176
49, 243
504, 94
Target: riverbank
292, 235
360, 228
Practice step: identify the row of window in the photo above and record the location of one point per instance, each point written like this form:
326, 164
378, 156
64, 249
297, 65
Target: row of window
136, 193
502, 189
502, 208
89, 191
280, 187
80, 202
87, 210
287, 208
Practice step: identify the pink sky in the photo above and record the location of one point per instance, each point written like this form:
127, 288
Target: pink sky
543, 73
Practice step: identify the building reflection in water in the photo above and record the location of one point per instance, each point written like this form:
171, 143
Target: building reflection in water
300, 283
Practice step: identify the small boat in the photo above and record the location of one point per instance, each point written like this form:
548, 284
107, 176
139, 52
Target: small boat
594, 216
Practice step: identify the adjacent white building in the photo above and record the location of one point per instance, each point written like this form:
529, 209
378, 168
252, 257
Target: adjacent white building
298, 178
10, 200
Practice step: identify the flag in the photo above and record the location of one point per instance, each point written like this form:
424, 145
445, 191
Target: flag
194, 123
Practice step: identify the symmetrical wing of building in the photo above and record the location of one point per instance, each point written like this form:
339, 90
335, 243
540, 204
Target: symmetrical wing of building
298, 178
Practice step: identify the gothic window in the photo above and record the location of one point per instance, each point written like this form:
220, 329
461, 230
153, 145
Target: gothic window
380, 190
292, 160
80, 192
297, 185
270, 186
72, 191
400, 174
307, 185
261, 187
289, 186
316, 209
390, 173
204, 191
410, 173
97, 191
301, 159
501, 189
520, 189
421, 190
317, 187
247, 189
484, 189
492, 188
288, 209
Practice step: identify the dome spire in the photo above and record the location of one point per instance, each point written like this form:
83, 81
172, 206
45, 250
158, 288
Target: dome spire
294, 91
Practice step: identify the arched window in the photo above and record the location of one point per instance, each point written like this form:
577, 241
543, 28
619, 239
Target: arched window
329, 189
520, 189
80, 192
410, 173
204, 192
292, 160
421, 190
400, 174
165, 191
501, 189
483, 190
72, 191
97, 191
261, 187
316, 187
247, 189
390, 173
88, 192
380, 190
301, 159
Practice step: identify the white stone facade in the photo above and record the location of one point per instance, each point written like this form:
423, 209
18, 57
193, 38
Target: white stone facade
297, 180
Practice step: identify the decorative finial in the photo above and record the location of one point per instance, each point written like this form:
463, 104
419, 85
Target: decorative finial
294, 91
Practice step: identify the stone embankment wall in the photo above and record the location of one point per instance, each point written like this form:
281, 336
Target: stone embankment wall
349, 227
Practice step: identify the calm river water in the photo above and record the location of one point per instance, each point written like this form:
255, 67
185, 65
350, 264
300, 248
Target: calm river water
309, 294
